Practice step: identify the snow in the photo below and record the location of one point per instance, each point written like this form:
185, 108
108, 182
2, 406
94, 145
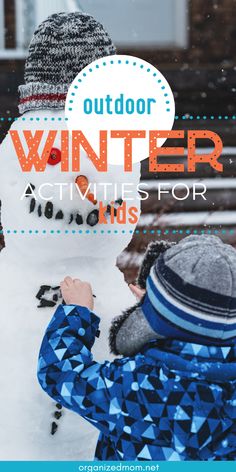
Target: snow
189, 219
211, 184
227, 150
28, 261
130, 259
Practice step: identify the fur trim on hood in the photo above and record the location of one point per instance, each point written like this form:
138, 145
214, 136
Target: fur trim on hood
130, 331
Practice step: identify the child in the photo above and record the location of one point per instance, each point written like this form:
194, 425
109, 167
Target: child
173, 397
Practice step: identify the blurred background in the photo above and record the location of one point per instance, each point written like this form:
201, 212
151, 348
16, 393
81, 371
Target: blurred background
193, 43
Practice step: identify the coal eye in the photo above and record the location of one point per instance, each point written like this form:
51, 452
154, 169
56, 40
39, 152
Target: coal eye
55, 157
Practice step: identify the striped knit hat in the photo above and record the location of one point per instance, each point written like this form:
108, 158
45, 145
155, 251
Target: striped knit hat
191, 292
190, 296
61, 47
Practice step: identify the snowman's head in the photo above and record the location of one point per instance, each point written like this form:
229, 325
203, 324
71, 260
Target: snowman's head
49, 211
52, 221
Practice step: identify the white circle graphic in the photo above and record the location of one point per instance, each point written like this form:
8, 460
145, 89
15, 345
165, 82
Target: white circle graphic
120, 93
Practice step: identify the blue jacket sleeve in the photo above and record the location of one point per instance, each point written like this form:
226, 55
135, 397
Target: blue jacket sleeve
68, 373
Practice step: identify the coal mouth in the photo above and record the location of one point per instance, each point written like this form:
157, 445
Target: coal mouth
51, 212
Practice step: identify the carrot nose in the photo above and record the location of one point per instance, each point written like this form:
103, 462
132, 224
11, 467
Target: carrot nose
83, 183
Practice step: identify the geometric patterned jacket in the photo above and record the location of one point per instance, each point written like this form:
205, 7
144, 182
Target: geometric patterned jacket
172, 401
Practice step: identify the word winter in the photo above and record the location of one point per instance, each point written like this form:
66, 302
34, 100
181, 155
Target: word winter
100, 159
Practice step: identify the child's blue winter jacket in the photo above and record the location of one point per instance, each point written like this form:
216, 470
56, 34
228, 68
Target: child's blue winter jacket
172, 401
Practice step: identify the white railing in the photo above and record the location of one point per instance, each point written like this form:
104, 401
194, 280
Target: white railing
142, 23
131, 23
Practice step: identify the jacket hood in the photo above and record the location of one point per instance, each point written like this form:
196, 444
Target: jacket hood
130, 331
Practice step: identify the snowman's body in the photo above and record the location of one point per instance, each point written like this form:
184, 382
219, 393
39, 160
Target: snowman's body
36, 256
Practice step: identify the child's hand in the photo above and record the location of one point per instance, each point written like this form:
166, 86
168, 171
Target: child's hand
76, 292
137, 291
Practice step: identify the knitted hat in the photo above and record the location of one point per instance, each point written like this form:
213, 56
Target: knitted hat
190, 295
61, 47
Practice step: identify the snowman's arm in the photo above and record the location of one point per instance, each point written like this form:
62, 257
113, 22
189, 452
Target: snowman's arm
68, 373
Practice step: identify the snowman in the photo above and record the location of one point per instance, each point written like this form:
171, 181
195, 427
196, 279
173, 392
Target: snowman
48, 236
